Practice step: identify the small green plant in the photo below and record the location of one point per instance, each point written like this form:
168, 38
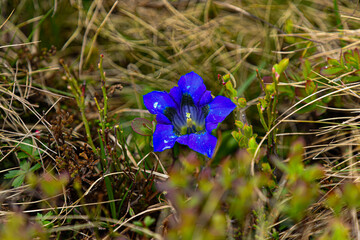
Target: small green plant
78, 92
244, 135
20, 174
44, 219
267, 106
146, 223
27, 150
348, 67
302, 182
18, 227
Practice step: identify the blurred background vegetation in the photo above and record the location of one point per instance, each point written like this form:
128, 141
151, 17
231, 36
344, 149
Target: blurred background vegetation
73, 73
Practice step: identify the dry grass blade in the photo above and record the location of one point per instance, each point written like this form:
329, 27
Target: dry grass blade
346, 88
19, 44
135, 216
7, 19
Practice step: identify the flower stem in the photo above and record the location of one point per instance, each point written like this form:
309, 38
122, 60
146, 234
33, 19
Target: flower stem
80, 100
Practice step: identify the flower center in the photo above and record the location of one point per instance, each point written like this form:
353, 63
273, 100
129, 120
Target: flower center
189, 118
189, 122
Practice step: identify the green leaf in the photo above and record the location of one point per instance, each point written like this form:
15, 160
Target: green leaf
28, 150
142, 126
308, 108
337, 15
248, 132
18, 181
335, 202
139, 224
22, 155
340, 230
310, 87
27, 147
261, 115
20, 174
35, 167
243, 142
350, 79
239, 124
287, 91
230, 89
351, 194
289, 29
306, 69
333, 62
53, 185
236, 135
283, 64
296, 166
356, 55
13, 174
242, 102
252, 145
347, 57
302, 196
148, 221
270, 89
226, 77
131, 212
312, 173
25, 166
264, 104
331, 70
43, 219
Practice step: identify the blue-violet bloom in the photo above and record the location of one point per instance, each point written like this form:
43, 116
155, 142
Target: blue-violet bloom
187, 115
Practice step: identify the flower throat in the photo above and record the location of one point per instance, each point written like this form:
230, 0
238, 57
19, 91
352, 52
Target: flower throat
189, 118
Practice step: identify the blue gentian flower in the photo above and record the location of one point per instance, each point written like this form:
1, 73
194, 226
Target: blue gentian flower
187, 115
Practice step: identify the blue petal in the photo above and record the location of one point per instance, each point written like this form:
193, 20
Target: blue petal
156, 102
204, 143
176, 94
192, 84
219, 108
205, 99
162, 119
164, 137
